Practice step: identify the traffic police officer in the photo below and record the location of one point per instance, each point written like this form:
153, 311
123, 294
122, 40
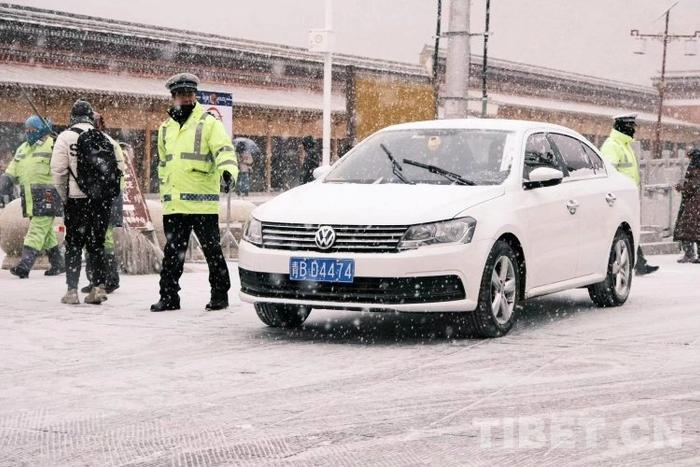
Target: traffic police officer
31, 169
195, 153
617, 149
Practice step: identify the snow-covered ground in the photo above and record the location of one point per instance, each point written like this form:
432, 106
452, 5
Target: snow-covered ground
570, 385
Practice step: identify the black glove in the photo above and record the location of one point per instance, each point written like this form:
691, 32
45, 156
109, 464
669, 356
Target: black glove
229, 183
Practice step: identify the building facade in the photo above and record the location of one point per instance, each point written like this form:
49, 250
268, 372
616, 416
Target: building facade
52, 58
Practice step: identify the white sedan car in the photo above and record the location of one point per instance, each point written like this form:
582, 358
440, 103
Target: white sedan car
467, 217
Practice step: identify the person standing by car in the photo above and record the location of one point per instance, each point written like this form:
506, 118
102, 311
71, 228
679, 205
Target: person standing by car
245, 166
31, 169
311, 160
87, 174
687, 229
617, 149
195, 153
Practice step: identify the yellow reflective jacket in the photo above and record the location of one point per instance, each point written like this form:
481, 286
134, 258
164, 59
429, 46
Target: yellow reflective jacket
617, 150
192, 159
31, 169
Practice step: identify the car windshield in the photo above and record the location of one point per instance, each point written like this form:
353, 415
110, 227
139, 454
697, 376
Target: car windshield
469, 156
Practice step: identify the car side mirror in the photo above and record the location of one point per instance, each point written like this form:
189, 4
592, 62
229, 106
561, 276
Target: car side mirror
543, 176
321, 171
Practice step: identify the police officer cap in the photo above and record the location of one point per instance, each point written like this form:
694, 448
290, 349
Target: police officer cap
182, 81
626, 117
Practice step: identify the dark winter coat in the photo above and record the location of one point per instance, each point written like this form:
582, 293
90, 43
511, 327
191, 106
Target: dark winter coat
688, 223
311, 162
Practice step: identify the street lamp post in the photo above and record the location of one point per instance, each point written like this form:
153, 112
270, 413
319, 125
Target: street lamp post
327, 84
321, 41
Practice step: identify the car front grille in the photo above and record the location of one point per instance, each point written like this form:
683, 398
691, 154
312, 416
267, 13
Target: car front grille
374, 290
349, 238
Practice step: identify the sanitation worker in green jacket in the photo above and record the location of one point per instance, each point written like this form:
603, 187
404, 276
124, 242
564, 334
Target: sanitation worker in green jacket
31, 169
195, 153
617, 150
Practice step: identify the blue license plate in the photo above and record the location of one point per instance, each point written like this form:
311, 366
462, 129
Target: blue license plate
322, 269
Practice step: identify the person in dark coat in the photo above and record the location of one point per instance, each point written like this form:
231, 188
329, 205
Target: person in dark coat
311, 161
688, 224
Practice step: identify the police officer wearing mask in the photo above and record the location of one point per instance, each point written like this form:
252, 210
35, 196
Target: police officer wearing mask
31, 169
195, 154
617, 150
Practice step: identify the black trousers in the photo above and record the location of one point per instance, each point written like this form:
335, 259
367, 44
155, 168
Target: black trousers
177, 232
86, 225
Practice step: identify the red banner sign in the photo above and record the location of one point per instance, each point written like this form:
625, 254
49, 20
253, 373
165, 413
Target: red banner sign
136, 214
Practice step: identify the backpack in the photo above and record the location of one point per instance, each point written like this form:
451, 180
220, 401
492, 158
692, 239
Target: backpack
98, 174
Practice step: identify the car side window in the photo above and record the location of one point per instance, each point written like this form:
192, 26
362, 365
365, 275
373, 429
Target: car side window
598, 164
575, 158
539, 153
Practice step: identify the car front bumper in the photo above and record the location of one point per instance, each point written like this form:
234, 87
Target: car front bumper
438, 278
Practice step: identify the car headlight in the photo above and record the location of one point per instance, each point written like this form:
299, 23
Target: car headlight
252, 231
453, 231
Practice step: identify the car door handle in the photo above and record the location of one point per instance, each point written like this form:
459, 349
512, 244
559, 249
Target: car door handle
572, 206
610, 198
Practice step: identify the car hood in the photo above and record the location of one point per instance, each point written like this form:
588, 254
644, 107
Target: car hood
381, 204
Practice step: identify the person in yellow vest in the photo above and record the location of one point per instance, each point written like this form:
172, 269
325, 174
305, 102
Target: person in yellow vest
195, 154
617, 149
31, 169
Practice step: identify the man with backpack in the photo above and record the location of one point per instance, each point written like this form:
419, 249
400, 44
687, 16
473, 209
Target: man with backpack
87, 175
115, 220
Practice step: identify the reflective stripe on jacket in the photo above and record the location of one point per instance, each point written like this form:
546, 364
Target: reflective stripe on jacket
617, 150
31, 169
192, 159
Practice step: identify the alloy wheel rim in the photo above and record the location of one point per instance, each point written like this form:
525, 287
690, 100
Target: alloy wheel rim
621, 268
503, 290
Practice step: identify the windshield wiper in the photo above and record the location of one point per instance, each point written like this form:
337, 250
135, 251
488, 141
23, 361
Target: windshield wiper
451, 176
395, 166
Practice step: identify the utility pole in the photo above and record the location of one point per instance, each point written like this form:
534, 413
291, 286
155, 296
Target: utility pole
457, 66
665, 38
484, 65
436, 57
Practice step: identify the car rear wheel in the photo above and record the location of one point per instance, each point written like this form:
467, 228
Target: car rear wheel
279, 315
615, 289
499, 295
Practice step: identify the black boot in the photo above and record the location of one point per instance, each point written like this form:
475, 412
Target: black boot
642, 268
166, 305
88, 273
112, 279
217, 302
26, 263
58, 264
688, 253
646, 269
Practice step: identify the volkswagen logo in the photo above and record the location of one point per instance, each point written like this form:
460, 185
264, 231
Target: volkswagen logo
325, 237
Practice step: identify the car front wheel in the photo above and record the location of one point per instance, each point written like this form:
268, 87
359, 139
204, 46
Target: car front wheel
279, 315
615, 289
499, 295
